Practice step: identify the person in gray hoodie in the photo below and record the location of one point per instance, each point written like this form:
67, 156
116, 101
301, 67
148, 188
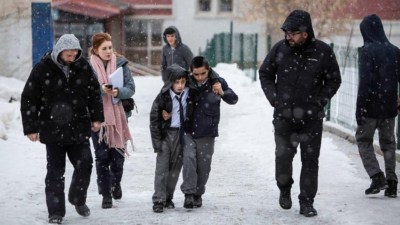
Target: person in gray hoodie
174, 52
60, 104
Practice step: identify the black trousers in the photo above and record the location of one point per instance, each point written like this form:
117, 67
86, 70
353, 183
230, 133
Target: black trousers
109, 165
81, 158
288, 136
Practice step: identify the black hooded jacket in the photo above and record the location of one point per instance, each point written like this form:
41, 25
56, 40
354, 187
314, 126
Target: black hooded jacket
379, 73
180, 55
59, 109
299, 81
163, 101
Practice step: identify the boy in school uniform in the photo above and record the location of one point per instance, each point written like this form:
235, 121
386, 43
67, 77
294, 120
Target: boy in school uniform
166, 127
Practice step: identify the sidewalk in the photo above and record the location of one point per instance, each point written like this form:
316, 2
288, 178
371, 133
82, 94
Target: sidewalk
241, 188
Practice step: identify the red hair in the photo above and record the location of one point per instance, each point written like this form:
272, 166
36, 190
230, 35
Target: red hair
97, 40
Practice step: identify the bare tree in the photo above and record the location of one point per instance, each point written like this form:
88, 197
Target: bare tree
329, 17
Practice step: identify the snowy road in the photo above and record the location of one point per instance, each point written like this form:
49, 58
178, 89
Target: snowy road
241, 188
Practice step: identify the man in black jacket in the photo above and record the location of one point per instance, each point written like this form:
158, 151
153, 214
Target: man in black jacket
174, 51
59, 105
201, 128
299, 76
377, 104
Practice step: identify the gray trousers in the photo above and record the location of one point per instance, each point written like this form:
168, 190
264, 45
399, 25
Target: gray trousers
168, 167
197, 157
387, 142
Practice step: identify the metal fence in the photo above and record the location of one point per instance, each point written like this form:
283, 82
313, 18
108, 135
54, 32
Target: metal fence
342, 107
233, 48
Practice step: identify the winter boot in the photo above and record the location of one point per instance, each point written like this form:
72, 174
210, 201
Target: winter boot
83, 210
378, 183
158, 207
107, 201
189, 202
117, 192
285, 201
169, 204
198, 201
391, 191
55, 219
307, 209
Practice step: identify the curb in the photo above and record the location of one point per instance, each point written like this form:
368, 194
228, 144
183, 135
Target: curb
349, 136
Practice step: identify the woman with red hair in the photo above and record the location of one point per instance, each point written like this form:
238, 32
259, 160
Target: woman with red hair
110, 142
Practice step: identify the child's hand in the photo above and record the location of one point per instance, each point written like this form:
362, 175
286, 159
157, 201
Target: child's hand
217, 89
166, 115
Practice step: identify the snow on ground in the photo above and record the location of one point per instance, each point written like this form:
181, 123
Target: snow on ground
241, 188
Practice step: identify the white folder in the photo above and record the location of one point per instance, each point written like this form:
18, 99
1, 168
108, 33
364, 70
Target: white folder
117, 80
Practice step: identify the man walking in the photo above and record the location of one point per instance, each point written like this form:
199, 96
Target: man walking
174, 52
299, 76
377, 104
58, 104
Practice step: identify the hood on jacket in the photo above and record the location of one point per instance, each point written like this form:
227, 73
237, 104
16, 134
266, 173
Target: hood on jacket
299, 20
66, 42
121, 62
178, 36
372, 30
171, 74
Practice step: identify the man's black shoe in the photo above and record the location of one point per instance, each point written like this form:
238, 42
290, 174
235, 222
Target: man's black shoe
55, 219
107, 201
285, 200
189, 202
198, 201
169, 204
83, 210
307, 209
158, 207
378, 183
391, 191
117, 192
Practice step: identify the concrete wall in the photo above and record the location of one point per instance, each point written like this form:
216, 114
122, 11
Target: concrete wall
16, 38
195, 28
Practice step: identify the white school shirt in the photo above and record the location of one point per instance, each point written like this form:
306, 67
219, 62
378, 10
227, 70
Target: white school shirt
175, 118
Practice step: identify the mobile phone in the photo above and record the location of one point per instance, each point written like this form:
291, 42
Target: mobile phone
109, 86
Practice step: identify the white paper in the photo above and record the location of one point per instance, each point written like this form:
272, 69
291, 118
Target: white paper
117, 80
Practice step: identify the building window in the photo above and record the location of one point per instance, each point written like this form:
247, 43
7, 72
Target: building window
156, 33
136, 33
225, 5
204, 5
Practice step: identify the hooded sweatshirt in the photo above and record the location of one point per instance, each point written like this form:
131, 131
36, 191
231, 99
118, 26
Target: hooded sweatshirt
379, 73
59, 109
299, 81
66, 42
180, 55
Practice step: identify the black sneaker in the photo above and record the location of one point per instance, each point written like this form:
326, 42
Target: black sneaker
285, 200
158, 207
169, 204
55, 219
391, 191
83, 210
107, 201
378, 183
189, 202
198, 201
307, 209
117, 192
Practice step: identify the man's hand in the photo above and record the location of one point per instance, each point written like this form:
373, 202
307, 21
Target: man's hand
33, 137
96, 126
112, 92
217, 89
166, 115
